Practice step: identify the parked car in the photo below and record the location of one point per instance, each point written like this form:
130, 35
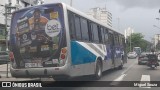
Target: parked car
4, 57
158, 57
132, 55
143, 59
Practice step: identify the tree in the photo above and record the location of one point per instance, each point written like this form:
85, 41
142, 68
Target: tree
137, 41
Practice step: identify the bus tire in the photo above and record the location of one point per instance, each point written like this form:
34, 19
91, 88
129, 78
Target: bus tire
98, 71
121, 66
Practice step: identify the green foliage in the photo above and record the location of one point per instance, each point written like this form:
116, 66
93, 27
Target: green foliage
137, 41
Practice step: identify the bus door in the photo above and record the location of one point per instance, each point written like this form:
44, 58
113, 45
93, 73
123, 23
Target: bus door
111, 37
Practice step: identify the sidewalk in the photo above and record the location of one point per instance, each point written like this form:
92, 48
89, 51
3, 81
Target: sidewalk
19, 79
3, 67
3, 70
3, 74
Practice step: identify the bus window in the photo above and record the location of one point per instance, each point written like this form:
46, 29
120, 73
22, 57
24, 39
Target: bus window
71, 25
90, 31
95, 33
116, 40
84, 29
100, 34
77, 28
106, 39
120, 40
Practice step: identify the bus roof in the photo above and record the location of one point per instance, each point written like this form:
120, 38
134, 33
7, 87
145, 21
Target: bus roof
75, 11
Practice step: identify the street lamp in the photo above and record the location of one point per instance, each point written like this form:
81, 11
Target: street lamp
70, 2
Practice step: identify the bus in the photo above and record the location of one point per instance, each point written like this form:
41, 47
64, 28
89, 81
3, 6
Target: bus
137, 50
59, 41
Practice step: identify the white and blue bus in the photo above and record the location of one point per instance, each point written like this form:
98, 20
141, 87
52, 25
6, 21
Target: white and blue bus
60, 41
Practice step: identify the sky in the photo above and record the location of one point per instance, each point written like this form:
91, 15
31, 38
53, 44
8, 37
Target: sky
140, 15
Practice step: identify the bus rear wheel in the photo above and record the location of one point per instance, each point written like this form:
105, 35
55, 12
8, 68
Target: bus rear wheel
98, 71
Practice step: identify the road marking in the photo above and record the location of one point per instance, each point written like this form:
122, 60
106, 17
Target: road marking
120, 78
117, 80
145, 78
123, 74
129, 67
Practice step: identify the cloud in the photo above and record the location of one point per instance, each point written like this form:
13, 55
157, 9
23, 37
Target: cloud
136, 3
139, 3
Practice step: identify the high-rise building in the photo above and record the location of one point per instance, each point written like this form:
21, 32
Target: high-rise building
128, 32
156, 39
101, 14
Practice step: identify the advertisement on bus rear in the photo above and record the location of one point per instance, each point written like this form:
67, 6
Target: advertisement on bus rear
38, 36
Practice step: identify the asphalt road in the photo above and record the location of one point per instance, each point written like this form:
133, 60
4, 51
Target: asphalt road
131, 72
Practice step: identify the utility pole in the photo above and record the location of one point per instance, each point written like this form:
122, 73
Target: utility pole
8, 11
6, 32
71, 3
130, 42
118, 23
130, 31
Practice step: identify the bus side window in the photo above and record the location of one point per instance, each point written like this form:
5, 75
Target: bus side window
78, 28
71, 25
90, 31
120, 40
106, 37
84, 29
95, 33
116, 40
100, 34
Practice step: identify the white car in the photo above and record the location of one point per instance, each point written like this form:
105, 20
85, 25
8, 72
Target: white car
158, 57
132, 55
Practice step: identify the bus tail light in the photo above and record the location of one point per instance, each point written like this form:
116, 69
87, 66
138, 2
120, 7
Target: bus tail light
63, 56
11, 56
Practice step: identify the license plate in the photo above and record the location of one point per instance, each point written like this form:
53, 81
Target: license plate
33, 65
153, 65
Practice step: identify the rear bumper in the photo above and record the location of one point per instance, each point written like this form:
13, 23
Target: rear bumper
142, 62
40, 72
132, 57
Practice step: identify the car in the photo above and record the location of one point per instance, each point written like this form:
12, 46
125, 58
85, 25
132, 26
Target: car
132, 55
158, 57
4, 57
142, 59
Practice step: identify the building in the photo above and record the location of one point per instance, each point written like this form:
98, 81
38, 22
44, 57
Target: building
102, 15
128, 32
157, 41
18, 4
